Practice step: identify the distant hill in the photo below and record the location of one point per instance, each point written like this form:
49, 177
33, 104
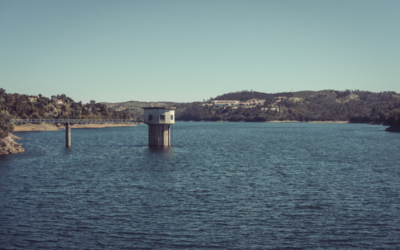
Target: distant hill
324, 105
247, 95
135, 108
137, 104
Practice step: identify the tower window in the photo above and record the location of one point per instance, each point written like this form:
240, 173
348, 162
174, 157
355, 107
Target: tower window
150, 117
162, 117
172, 117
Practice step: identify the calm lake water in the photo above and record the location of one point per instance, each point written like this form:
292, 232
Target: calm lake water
222, 185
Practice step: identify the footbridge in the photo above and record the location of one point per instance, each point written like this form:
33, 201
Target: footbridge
69, 122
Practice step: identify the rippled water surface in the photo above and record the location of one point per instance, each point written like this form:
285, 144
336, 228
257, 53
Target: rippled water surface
222, 185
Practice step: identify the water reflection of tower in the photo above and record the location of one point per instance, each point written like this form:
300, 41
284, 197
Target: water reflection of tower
159, 120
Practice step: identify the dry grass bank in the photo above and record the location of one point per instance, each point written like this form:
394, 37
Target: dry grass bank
101, 125
35, 127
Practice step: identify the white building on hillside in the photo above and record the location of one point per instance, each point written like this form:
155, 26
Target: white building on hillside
224, 103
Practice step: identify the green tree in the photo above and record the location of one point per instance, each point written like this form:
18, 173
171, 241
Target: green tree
2, 100
104, 111
94, 110
5, 125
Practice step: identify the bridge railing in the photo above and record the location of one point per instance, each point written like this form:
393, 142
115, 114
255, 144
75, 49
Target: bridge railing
73, 121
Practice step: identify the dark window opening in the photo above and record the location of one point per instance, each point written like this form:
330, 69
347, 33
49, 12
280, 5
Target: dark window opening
162, 117
150, 117
172, 117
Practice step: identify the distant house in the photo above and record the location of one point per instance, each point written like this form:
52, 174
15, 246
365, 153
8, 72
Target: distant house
223, 103
274, 109
281, 98
259, 102
270, 109
206, 105
59, 101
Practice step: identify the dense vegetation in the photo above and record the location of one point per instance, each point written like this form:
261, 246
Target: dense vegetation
394, 121
16, 106
394, 118
327, 105
5, 125
247, 95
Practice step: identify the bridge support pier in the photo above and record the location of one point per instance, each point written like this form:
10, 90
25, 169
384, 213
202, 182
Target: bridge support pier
67, 135
159, 135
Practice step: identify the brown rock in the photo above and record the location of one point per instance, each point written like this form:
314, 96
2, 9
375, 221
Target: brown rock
14, 137
9, 146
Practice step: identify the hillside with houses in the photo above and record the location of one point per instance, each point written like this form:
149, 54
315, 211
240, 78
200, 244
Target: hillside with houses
325, 105
252, 103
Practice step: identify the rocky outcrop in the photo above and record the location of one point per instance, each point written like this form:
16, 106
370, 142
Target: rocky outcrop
9, 146
393, 129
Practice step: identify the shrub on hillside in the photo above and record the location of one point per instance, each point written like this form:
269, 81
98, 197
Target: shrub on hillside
5, 125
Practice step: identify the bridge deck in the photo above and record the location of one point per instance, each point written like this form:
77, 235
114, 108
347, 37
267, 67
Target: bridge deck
72, 121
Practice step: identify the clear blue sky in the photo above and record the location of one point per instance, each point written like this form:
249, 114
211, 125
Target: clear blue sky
185, 51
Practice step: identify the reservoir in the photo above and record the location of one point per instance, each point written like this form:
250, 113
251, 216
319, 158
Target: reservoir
220, 186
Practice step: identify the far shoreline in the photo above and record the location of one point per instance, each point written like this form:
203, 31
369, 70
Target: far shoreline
314, 121
53, 127
275, 121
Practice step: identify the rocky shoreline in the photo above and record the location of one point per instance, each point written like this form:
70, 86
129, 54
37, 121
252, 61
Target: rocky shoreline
9, 146
393, 129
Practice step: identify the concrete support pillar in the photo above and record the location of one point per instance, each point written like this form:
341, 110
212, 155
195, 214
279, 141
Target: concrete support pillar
159, 135
68, 135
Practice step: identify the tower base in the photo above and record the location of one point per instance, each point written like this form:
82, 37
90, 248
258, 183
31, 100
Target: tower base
159, 135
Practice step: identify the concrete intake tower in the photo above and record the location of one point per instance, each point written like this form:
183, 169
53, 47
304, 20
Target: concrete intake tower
159, 120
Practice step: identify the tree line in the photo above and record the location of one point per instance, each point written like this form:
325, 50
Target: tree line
60, 106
